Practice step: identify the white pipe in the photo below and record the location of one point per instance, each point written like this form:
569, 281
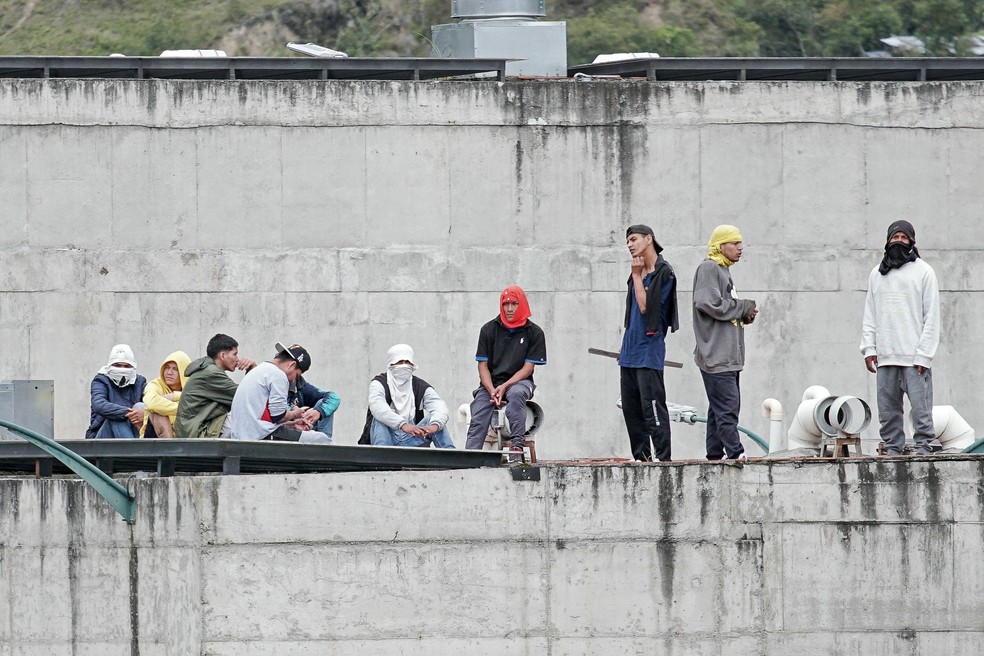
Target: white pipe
803, 431
951, 429
772, 409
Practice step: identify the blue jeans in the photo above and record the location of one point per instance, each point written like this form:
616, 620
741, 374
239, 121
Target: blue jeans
383, 435
118, 428
325, 425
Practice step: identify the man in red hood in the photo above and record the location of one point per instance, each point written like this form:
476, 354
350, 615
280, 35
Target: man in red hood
509, 347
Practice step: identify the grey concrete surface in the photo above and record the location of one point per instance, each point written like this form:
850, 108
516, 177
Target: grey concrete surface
349, 216
769, 558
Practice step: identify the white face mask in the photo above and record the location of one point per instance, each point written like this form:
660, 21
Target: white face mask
122, 376
401, 373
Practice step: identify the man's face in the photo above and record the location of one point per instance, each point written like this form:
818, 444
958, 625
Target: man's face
900, 237
638, 244
171, 376
291, 369
509, 309
732, 250
228, 360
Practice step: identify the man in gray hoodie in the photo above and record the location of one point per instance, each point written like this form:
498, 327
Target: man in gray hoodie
719, 328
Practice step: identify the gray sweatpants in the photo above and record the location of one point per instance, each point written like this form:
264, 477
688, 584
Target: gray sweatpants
893, 382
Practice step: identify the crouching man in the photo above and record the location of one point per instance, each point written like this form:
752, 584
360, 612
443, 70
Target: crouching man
404, 410
260, 410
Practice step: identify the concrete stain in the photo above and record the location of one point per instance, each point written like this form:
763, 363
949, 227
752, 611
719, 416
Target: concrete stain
869, 491
666, 552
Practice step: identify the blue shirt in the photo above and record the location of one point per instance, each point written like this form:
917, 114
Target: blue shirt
639, 350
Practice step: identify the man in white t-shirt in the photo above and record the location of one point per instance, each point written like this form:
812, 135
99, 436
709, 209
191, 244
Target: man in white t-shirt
260, 410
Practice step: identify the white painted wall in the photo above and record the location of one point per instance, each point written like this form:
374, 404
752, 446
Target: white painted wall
348, 216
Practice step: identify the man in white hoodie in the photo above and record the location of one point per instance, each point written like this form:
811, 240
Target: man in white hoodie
899, 336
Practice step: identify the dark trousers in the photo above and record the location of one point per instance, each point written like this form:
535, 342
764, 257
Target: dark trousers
644, 409
723, 404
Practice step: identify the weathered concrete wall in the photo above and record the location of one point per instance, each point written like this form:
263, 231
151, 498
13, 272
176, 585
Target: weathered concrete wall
872, 557
351, 215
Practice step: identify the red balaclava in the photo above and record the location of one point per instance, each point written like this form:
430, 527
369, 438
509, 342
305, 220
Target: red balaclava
514, 293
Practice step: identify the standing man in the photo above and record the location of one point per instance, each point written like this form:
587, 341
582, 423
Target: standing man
899, 335
260, 410
650, 311
509, 347
719, 328
206, 395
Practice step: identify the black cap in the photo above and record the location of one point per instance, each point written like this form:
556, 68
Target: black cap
904, 227
641, 229
295, 352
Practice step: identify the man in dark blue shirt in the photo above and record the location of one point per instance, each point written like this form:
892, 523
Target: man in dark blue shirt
650, 311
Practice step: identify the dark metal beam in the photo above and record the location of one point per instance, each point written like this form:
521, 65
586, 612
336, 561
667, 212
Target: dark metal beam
168, 457
669, 69
249, 68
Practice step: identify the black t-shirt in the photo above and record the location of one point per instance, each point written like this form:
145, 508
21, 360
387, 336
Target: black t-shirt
507, 350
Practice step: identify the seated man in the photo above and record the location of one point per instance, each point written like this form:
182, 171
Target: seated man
404, 410
207, 393
260, 410
116, 396
509, 347
321, 405
162, 395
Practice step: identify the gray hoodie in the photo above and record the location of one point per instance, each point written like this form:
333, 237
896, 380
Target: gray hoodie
719, 325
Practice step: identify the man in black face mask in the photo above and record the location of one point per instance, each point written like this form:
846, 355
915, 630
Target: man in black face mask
899, 336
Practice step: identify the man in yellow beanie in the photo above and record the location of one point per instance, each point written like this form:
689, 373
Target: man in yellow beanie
719, 328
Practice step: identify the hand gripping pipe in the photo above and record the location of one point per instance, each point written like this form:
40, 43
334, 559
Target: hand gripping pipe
114, 493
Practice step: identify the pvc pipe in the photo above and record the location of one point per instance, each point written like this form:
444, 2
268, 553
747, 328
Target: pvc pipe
803, 431
951, 429
772, 409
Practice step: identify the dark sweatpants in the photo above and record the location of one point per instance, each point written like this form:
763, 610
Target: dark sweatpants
644, 409
723, 404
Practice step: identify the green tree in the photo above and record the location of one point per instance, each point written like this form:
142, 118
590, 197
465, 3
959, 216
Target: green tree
620, 28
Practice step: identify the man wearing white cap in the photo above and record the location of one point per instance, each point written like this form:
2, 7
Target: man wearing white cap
117, 409
404, 410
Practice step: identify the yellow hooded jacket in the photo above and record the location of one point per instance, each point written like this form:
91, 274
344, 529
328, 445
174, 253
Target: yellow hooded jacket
154, 400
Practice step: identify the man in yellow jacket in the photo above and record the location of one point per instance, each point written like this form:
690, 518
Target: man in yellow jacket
162, 395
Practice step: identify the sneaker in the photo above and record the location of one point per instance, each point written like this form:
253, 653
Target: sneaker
515, 454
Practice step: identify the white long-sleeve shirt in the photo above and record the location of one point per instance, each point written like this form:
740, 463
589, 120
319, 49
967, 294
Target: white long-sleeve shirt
901, 322
434, 407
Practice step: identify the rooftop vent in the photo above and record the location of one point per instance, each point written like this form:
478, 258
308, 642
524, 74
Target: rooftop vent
505, 29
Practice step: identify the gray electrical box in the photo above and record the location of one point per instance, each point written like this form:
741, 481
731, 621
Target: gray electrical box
28, 403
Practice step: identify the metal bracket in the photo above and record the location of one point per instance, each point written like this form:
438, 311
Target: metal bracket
523, 473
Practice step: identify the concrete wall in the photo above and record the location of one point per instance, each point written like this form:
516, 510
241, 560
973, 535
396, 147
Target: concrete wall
784, 559
348, 216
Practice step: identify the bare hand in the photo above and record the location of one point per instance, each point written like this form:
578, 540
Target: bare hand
169, 397
499, 395
871, 362
311, 416
416, 431
750, 317
638, 266
920, 369
302, 424
245, 364
135, 416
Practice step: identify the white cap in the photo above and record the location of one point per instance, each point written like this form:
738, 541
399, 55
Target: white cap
122, 353
399, 352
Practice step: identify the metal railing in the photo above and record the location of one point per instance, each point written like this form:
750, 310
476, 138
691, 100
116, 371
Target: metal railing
115, 494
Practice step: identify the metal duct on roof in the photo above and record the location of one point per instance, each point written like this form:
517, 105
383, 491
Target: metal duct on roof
478, 9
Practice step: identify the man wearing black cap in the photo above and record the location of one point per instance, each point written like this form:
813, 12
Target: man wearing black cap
650, 311
260, 410
899, 336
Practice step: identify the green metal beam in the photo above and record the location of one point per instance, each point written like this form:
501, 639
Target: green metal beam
115, 494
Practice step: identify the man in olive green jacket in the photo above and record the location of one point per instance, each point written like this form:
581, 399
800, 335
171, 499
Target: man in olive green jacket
206, 397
